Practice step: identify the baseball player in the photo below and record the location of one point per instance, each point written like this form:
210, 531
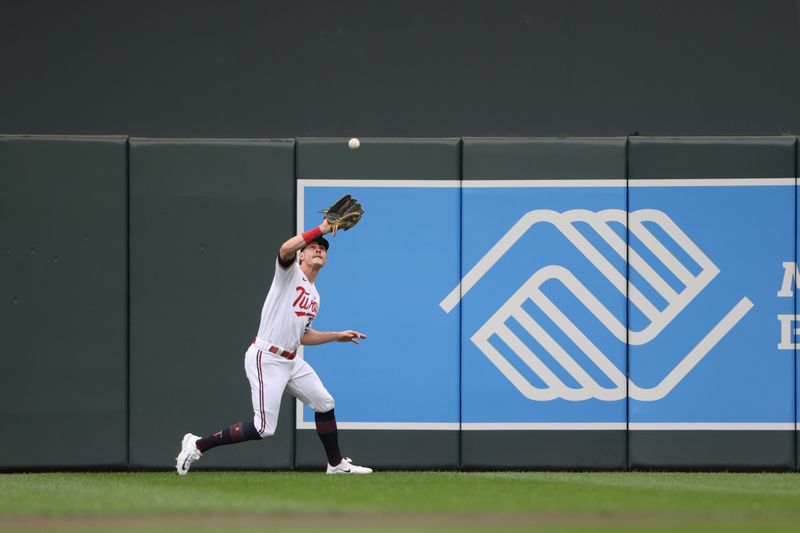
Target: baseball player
271, 362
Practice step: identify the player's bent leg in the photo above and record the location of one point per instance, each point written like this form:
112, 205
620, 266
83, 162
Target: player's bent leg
267, 381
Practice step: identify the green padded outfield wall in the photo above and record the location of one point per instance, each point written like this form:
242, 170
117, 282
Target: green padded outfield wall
713, 384
470, 360
397, 394
207, 219
531, 398
63, 302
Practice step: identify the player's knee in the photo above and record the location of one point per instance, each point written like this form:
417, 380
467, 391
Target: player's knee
325, 405
264, 429
268, 431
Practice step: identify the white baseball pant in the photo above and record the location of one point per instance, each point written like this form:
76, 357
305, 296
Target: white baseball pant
270, 375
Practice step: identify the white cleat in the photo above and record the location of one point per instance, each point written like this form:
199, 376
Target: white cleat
347, 467
189, 454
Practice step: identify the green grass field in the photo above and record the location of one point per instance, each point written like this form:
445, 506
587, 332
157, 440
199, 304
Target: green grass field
400, 501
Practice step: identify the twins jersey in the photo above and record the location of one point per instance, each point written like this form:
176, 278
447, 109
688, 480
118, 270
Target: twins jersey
290, 307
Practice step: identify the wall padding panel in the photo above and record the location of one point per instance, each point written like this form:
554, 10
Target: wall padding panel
207, 219
712, 223
63, 302
543, 304
386, 278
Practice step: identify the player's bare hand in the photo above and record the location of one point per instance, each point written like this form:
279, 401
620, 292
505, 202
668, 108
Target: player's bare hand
350, 336
325, 226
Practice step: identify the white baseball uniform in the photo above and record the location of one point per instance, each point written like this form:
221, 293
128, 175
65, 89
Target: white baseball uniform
271, 363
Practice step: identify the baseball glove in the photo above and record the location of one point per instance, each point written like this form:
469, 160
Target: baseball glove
344, 214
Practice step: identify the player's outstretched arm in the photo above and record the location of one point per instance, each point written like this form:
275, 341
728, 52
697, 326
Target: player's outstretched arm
298, 242
313, 337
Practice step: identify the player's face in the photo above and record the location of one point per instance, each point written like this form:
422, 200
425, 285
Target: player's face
315, 255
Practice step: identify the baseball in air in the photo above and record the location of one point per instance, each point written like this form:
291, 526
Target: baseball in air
353, 143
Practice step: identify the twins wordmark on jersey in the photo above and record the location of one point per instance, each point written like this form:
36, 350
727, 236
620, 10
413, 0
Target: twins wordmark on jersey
305, 305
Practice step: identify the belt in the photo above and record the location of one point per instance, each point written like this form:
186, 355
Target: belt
261, 345
282, 353
265, 346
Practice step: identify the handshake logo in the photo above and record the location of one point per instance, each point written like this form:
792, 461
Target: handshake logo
657, 316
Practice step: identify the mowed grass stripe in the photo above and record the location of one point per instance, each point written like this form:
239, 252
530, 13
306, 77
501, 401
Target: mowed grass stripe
661, 501
386, 522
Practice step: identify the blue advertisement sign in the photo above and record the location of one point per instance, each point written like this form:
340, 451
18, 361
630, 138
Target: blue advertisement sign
586, 304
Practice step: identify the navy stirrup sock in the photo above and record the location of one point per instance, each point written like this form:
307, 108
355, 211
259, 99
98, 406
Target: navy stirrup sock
329, 435
232, 434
